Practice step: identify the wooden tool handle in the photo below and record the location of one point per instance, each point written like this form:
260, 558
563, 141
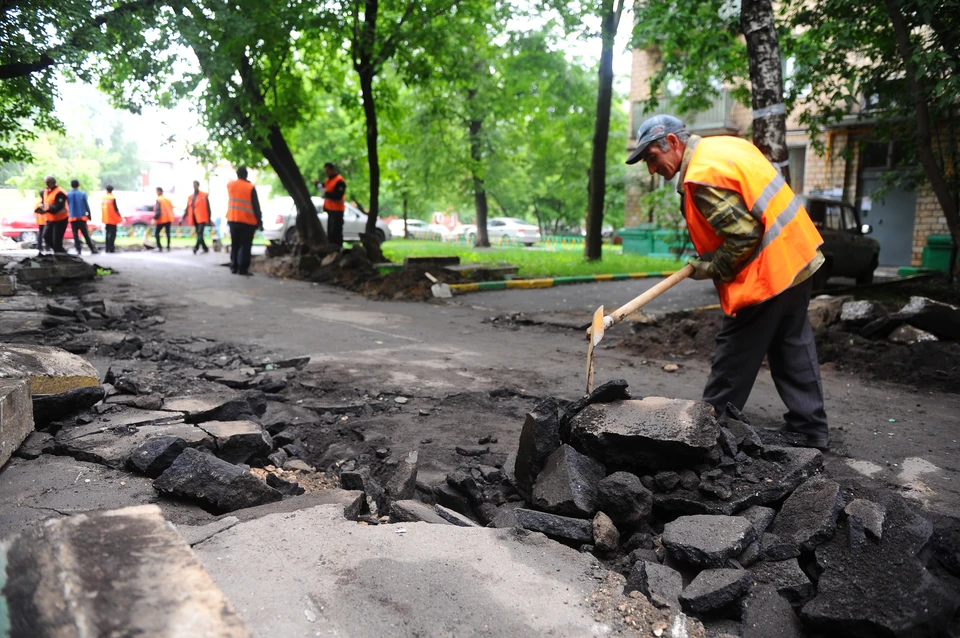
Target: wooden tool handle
631, 307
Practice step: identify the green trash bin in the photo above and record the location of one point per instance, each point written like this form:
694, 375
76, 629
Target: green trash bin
936, 254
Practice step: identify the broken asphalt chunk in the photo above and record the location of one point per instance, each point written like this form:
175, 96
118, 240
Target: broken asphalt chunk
574, 529
707, 540
567, 484
221, 485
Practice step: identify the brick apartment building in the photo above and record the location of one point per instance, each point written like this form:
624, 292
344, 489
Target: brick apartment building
901, 222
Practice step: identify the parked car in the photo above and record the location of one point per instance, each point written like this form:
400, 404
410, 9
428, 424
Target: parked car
139, 218
280, 221
846, 249
413, 226
24, 228
516, 229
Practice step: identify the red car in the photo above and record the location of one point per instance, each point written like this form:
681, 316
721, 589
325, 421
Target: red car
24, 228
140, 218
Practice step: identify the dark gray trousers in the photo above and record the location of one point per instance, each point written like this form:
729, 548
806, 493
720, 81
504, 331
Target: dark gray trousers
779, 329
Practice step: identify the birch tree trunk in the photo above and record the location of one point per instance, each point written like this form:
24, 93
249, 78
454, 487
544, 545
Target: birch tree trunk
766, 79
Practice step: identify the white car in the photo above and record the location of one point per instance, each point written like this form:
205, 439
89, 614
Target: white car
517, 230
413, 226
280, 221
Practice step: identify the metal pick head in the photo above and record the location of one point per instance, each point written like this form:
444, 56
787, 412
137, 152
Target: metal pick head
597, 327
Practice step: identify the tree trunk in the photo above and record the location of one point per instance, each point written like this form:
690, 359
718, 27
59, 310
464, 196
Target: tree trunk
766, 80
597, 181
479, 190
373, 157
933, 172
536, 209
309, 229
406, 233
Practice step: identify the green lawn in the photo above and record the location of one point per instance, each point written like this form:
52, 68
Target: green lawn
533, 262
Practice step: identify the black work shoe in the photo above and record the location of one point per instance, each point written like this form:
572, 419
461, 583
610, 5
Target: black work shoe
802, 439
246, 273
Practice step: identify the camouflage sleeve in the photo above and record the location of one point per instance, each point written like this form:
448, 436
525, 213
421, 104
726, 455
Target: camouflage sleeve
727, 213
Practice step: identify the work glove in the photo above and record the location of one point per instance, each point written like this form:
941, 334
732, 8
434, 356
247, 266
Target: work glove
702, 269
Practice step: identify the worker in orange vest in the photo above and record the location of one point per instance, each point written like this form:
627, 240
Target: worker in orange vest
110, 214
57, 212
41, 222
760, 248
244, 219
197, 214
334, 188
162, 218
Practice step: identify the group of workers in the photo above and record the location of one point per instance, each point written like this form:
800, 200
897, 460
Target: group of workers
56, 208
754, 239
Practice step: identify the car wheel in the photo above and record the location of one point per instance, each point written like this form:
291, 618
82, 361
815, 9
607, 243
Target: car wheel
529, 245
139, 230
380, 235
822, 275
290, 237
866, 277
28, 237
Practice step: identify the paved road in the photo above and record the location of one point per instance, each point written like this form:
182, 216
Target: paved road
901, 436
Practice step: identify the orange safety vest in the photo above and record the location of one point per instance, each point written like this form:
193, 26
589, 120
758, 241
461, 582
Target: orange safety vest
166, 211
790, 240
108, 210
328, 186
240, 202
198, 208
48, 198
39, 214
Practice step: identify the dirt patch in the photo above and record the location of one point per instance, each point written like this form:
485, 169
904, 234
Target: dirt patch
354, 272
927, 365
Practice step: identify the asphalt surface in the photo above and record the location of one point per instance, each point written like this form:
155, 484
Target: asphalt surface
903, 437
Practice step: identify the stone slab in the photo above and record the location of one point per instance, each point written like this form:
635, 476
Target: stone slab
16, 416
409, 579
705, 540
120, 572
113, 446
650, 433
50, 370
574, 529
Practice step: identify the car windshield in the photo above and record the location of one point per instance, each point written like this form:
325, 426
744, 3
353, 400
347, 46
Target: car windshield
832, 215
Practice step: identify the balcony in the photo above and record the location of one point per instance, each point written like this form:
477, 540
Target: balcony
718, 119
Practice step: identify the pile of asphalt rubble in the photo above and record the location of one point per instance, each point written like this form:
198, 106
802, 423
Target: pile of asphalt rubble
702, 513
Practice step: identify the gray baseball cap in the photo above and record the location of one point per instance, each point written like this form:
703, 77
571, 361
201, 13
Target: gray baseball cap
653, 129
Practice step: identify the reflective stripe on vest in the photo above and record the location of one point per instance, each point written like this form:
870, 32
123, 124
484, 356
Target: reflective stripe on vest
240, 202
790, 240
198, 208
49, 196
108, 210
166, 211
328, 186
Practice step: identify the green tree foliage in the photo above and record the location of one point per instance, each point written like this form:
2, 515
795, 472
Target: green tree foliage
120, 164
66, 157
895, 65
44, 41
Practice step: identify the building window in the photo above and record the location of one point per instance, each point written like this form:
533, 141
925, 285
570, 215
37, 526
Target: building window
797, 157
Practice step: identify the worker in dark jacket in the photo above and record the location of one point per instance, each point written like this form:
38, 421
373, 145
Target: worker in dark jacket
57, 212
759, 247
79, 215
244, 218
334, 188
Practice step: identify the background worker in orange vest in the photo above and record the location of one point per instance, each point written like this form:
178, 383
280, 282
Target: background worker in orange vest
110, 214
758, 245
197, 214
57, 212
333, 205
79, 215
163, 218
41, 222
244, 218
